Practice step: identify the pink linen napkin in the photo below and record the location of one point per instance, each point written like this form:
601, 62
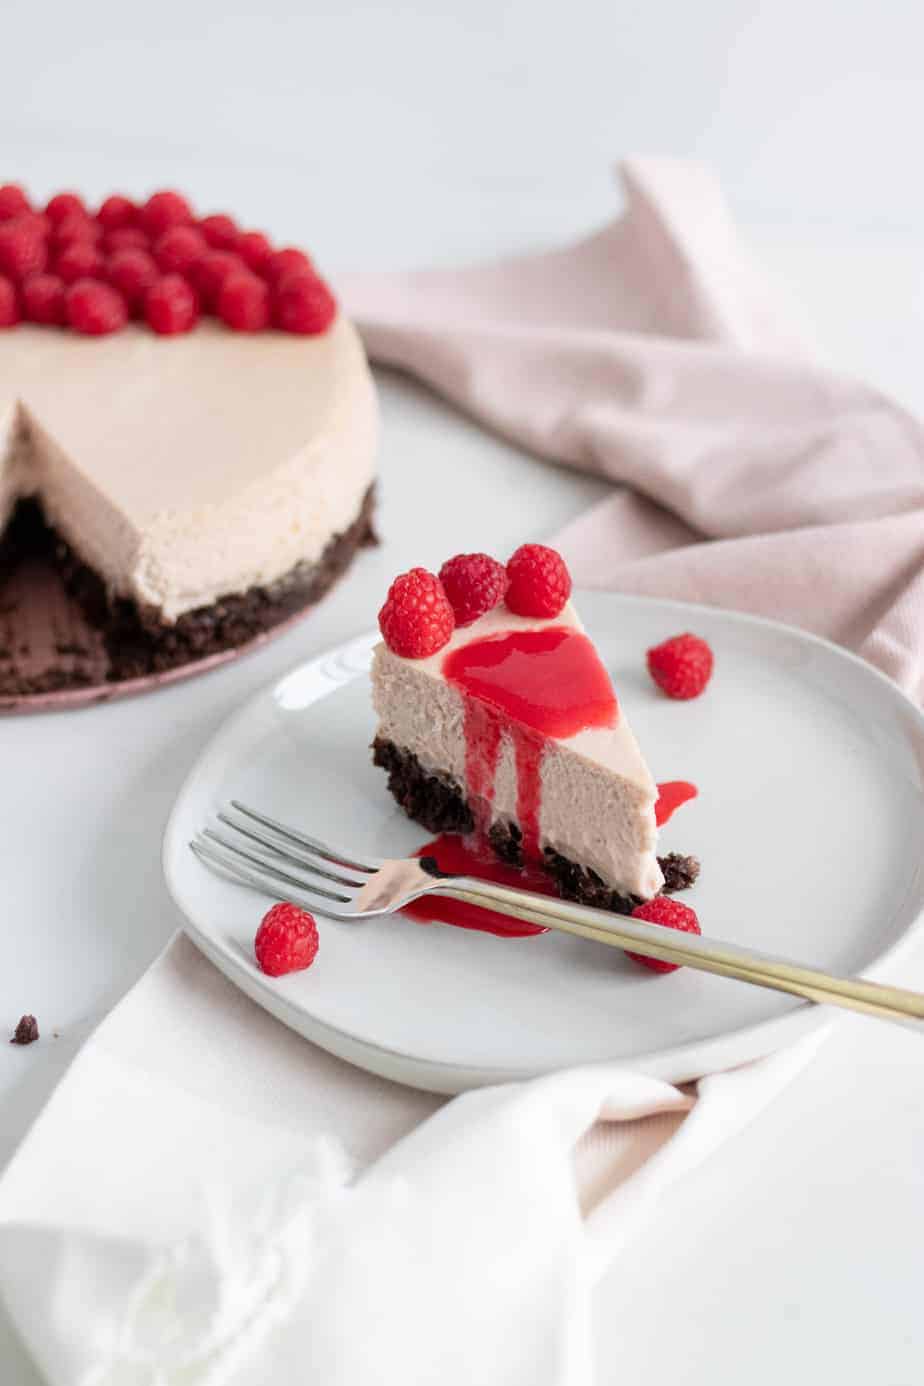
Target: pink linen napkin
656, 354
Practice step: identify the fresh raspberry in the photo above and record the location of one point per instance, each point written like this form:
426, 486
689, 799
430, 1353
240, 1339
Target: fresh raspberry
416, 619
282, 263
303, 303
255, 250
681, 666
209, 273
171, 306
125, 238
179, 249
9, 303
117, 212
22, 248
286, 941
95, 308
220, 231
79, 260
43, 299
132, 272
64, 205
38, 221
75, 226
474, 583
673, 915
244, 302
540, 583
13, 201
163, 210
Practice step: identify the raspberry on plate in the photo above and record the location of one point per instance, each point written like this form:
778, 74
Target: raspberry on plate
244, 302
171, 306
681, 666
474, 583
220, 231
117, 212
255, 250
65, 204
673, 915
178, 250
304, 304
76, 226
13, 201
163, 210
208, 275
9, 303
22, 248
95, 308
286, 941
284, 262
132, 272
540, 583
79, 260
125, 238
416, 619
43, 300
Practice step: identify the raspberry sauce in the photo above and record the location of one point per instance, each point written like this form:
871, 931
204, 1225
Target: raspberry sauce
671, 795
473, 857
533, 685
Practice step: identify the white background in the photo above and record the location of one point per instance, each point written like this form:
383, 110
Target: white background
394, 135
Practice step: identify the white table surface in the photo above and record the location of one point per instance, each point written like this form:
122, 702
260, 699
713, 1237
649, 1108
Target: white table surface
796, 1252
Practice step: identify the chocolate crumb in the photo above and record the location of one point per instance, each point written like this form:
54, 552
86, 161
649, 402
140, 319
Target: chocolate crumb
27, 1031
679, 872
71, 647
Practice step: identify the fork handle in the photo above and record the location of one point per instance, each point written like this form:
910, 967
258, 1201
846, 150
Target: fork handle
706, 954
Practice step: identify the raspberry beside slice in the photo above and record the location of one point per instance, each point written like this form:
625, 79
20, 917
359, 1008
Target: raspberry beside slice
286, 941
673, 915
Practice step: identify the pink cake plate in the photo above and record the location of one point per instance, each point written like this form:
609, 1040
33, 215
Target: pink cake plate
45, 637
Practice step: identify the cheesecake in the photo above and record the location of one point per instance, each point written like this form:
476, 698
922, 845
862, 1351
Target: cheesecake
512, 730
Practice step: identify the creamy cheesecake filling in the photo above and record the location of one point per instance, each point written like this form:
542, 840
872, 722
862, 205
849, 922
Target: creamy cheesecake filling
597, 794
184, 470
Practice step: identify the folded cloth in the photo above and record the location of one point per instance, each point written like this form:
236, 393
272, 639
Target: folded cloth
654, 353
209, 1199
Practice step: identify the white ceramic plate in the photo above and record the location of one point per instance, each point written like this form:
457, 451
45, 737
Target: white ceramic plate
809, 824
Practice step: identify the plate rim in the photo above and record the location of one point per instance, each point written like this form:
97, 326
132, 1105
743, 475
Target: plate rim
679, 1063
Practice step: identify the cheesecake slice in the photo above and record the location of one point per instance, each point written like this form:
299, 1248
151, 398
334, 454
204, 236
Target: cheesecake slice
513, 730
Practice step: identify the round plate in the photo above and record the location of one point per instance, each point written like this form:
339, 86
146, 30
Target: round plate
809, 825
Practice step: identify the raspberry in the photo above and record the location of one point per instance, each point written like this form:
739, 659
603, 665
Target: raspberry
63, 205
171, 306
125, 238
79, 260
209, 274
220, 231
132, 272
304, 303
43, 299
255, 250
474, 584
75, 226
540, 583
9, 303
286, 941
244, 302
416, 619
178, 249
673, 915
284, 262
681, 666
22, 248
95, 308
163, 210
13, 201
117, 212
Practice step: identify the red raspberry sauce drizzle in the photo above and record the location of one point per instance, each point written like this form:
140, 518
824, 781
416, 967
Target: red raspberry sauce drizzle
473, 857
671, 795
531, 685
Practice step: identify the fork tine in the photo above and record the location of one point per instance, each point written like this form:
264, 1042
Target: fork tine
264, 841
265, 881
311, 844
272, 870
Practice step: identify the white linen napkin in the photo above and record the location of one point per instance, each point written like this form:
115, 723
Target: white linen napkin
208, 1199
